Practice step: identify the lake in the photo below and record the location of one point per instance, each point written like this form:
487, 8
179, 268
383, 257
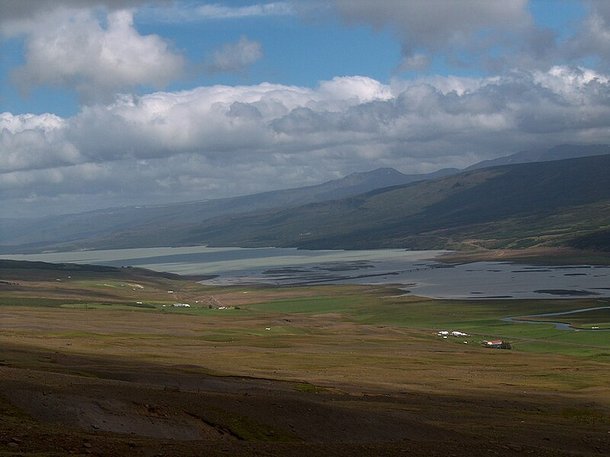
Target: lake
417, 272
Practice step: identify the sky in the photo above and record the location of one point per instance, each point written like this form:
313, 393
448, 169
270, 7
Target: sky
127, 102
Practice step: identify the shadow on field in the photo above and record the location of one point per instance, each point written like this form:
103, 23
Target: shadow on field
54, 403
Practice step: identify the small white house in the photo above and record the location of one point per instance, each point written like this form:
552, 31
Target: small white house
455, 333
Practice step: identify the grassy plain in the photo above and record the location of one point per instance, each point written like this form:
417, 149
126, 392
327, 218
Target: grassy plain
100, 362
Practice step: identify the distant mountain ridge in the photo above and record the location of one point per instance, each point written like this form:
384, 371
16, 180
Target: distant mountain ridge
560, 152
154, 225
512, 206
442, 201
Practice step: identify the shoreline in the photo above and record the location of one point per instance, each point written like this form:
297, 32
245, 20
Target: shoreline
531, 256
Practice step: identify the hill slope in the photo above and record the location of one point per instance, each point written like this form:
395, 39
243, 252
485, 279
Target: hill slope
560, 152
167, 224
544, 203
522, 205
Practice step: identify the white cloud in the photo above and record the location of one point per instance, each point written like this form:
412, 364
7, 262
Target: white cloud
19, 123
30, 141
216, 11
72, 48
235, 57
436, 20
570, 82
21, 16
187, 11
592, 40
445, 27
352, 90
188, 145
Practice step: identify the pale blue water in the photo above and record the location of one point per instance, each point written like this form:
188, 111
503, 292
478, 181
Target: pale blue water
414, 271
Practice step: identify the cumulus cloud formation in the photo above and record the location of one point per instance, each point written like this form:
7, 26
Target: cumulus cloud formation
235, 57
186, 143
28, 142
72, 48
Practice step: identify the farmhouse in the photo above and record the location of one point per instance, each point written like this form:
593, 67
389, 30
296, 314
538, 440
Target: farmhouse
497, 344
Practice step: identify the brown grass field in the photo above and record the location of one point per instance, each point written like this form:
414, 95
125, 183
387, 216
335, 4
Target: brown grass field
92, 363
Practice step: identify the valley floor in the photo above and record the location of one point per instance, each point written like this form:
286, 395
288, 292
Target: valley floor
93, 363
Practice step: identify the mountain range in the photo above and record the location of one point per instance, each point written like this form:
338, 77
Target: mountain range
513, 206
563, 151
153, 225
527, 199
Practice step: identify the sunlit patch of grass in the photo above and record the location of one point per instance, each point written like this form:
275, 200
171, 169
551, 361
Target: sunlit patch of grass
311, 305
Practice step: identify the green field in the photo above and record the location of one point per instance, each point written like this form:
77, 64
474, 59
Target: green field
594, 319
481, 319
339, 363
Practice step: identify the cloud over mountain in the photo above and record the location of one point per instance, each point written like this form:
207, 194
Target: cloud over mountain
191, 141
146, 126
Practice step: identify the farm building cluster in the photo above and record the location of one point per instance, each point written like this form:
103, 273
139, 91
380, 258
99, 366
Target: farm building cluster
455, 333
492, 344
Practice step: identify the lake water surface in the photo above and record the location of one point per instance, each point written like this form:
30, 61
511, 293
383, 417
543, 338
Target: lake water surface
415, 271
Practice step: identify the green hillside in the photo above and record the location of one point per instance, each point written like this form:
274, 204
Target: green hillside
537, 204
